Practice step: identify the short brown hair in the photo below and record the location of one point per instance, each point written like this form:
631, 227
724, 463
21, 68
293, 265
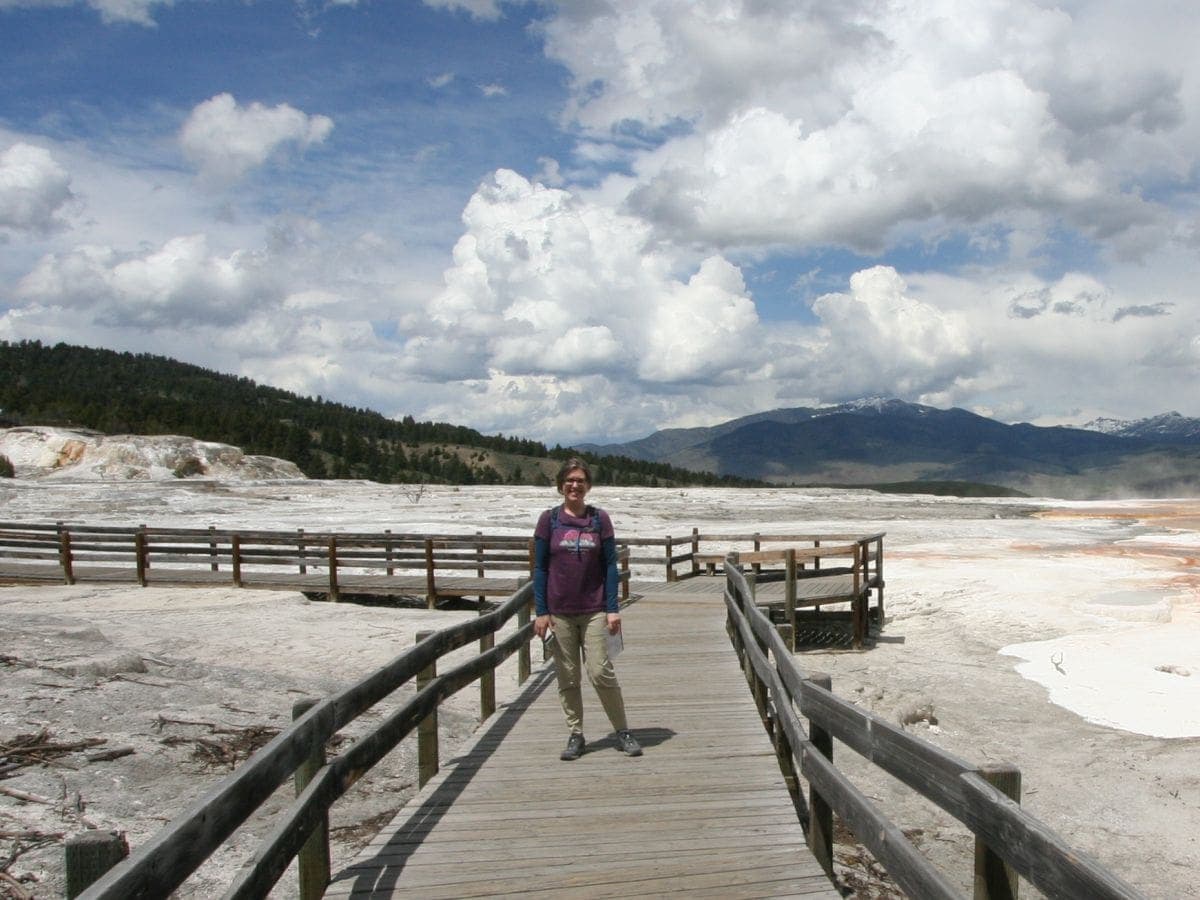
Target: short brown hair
573, 463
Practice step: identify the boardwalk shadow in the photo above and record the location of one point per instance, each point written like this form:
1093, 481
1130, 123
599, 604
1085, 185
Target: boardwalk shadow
379, 875
647, 737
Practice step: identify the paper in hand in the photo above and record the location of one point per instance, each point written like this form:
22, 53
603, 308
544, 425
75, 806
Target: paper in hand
615, 643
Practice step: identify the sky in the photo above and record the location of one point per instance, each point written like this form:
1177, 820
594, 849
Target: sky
587, 221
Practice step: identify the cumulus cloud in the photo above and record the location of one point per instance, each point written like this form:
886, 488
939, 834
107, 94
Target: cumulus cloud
858, 124
1070, 349
743, 129
34, 188
178, 284
546, 283
879, 339
225, 140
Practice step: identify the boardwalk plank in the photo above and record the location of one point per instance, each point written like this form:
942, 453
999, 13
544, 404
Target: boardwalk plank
705, 811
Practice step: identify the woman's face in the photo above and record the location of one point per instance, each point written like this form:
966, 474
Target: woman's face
575, 485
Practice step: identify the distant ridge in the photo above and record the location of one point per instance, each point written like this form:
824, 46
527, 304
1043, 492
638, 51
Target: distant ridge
144, 394
879, 440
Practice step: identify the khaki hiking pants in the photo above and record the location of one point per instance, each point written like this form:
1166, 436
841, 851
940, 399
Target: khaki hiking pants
585, 634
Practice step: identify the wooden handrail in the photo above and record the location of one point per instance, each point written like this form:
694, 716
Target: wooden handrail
169, 857
1001, 826
780, 554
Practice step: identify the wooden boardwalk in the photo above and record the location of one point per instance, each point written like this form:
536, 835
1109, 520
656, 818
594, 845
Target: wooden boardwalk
704, 811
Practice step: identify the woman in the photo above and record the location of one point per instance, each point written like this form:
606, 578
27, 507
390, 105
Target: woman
575, 594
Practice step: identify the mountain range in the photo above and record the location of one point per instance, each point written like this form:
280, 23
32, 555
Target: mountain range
881, 441
888, 444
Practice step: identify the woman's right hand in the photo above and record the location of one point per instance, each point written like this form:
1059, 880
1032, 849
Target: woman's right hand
541, 625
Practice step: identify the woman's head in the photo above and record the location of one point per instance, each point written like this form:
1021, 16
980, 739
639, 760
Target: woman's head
573, 469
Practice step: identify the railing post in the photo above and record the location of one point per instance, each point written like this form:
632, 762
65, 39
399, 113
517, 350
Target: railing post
430, 583
212, 548
139, 548
858, 606
757, 547
235, 548
89, 855
789, 599
479, 562
820, 827
623, 558
313, 858
995, 880
667, 559
300, 551
695, 550
487, 679
427, 730
524, 664
64, 554
879, 576
387, 549
334, 594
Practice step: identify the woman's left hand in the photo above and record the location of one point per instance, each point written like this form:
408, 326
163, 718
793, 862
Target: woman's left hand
614, 623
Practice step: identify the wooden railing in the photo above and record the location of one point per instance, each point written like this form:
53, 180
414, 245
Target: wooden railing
1010, 842
169, 857
432, 565
699, 552
447, 565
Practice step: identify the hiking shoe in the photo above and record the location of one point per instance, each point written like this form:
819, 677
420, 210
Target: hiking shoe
628, 744
574, 748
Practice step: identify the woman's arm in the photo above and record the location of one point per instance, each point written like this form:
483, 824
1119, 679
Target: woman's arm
541, 575
612, 579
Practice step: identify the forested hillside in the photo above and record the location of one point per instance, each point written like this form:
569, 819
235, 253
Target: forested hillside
119, 393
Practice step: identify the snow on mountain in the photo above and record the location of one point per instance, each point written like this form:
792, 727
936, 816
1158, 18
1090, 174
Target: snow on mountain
1170, 427
65, 454
1107, 426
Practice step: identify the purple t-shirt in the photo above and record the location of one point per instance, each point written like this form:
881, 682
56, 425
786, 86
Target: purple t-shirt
575, 577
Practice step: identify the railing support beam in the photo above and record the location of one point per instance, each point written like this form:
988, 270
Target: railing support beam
427, 731
313, 860
820, 829
995, 880
487, 681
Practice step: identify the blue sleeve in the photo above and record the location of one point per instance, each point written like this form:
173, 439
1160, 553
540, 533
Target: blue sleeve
611, 578
541, 575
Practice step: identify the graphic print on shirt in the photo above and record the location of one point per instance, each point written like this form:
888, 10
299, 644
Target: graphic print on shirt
578, 540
